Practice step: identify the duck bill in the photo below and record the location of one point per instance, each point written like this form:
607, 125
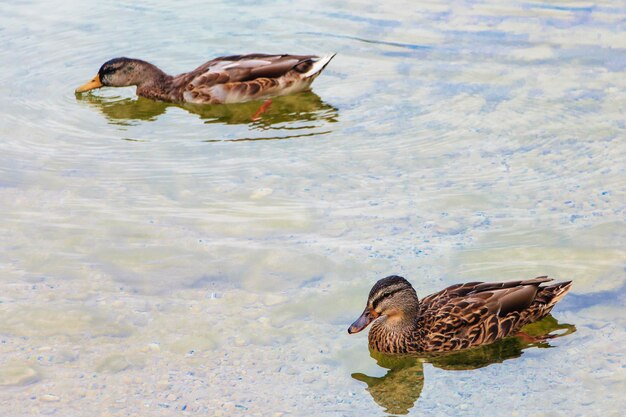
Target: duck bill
362, 322
93, 84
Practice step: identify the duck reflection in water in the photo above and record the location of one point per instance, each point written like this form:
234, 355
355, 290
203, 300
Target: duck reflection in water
398, 390
301, 107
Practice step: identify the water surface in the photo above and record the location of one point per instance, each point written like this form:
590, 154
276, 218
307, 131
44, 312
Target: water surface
160, 259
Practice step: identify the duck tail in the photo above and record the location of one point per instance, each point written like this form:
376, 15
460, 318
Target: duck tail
545, 300
318, 66
552, 294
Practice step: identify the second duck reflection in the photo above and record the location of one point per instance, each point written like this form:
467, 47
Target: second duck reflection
303, 107
399, 389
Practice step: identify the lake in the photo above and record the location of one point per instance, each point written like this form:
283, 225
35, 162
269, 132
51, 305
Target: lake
165, 260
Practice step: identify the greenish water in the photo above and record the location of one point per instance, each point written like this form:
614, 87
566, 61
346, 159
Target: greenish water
399, 389
162, 260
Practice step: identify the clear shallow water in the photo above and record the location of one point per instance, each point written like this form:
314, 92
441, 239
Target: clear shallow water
157, 258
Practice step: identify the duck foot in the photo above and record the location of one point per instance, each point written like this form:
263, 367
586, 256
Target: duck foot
534, 339
266, 105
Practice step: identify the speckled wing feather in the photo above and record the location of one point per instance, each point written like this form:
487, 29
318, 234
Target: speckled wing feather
247, 67
438, 299
475, 313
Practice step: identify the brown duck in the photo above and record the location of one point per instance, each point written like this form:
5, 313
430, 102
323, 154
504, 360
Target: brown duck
458, 317
229, 79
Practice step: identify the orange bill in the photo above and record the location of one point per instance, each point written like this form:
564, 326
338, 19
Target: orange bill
94, 83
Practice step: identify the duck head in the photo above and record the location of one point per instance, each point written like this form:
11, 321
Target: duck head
122, 72
393, 299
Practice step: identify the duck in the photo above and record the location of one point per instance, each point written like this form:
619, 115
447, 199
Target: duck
228, 79
459, 317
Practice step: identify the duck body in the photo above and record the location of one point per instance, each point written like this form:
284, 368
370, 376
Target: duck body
458, 317
230, 79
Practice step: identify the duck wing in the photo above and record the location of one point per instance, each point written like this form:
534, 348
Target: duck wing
237, 68
474, 313
244, 77
438, 299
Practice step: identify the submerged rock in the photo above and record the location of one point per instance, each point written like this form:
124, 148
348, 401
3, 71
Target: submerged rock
18, 375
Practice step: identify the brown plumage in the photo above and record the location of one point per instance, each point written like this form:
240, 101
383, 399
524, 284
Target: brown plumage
458, 317
229, 79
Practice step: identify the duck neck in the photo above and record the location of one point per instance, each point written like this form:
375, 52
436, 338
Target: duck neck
395, 333
152, 82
